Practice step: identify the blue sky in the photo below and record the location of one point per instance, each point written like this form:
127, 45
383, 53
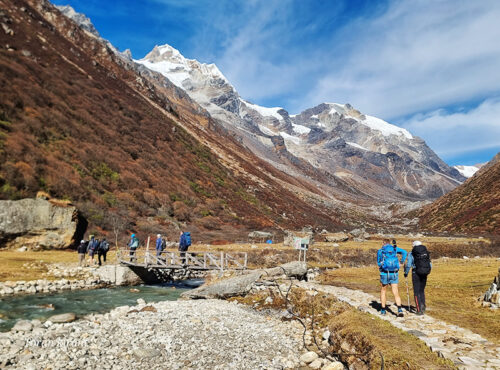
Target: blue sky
431, 66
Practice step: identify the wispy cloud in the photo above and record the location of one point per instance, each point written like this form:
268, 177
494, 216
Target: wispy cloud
468, 131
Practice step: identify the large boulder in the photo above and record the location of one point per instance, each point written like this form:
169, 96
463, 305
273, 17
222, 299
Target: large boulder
235, 286
118, 275
241, 285
39, 223
336, 237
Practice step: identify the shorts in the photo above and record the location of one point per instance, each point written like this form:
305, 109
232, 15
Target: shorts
387, 278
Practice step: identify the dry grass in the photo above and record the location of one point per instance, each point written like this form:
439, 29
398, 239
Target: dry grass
355, 332
13, 263
451, 294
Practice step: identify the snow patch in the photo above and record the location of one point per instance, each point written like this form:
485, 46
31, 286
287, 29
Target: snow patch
293, 139
467, 171
266, 130
356, 146
266, 112
385, 127
299, 129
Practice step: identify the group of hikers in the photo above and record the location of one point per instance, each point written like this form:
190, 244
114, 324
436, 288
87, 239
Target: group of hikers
418, 261
161, 245
92, 247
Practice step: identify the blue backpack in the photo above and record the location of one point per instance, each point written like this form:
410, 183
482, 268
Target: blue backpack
187, 239
390, 261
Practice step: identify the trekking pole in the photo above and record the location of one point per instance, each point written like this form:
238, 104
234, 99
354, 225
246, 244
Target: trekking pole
407, 293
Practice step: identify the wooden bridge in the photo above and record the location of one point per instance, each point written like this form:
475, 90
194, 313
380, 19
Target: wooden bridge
192, 260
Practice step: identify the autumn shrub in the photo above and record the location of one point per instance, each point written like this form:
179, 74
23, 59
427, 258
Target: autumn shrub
181, 211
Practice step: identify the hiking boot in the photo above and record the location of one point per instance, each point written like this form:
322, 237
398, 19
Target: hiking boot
382, 311
420, 313
400, 312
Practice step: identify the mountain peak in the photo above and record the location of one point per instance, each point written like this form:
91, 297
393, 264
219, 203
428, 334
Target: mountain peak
78, 18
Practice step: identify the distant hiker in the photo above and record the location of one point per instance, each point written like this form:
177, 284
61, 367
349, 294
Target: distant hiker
419, 261
103, 250
388, 263
184, 244
92, 248
133, 245
159, 245
82, 250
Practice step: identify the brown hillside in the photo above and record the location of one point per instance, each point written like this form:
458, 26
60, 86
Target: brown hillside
473, 207
80, 123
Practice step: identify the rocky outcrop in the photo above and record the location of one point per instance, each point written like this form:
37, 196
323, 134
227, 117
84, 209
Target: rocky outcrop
39, 223
241, 285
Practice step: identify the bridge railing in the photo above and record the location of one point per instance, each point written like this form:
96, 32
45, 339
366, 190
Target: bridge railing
195, 260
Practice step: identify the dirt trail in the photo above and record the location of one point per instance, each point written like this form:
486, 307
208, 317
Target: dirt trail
465, 348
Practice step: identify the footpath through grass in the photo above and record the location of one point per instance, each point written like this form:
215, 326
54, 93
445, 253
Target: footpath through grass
451, 294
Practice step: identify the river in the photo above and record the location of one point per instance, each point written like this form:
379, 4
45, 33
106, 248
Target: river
82, 302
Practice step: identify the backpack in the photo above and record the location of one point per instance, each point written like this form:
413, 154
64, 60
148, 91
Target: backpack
422, 260
135, 243
390, 261
187, 239
104, 246
163, 244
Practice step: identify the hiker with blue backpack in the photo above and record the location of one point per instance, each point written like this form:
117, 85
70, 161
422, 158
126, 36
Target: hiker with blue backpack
419, 261
92, 249
388, 264
133, 244
184, 244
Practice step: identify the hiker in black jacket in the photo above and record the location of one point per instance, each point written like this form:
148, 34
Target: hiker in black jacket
102, 250
420, 264
82, 250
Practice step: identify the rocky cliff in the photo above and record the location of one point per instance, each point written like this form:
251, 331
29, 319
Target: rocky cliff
39, 223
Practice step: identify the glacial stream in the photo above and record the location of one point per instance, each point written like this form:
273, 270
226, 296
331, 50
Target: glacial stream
83, 302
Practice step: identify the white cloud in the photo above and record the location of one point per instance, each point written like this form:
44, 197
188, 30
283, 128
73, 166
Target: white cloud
460, 132
419, 55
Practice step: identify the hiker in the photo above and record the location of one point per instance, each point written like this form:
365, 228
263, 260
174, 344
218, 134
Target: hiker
133, 245
102, 250
184, 243
159, 246
419, 261
388, 263
82, 250
92, 248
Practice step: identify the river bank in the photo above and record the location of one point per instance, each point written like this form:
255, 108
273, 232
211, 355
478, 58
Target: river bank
172, 334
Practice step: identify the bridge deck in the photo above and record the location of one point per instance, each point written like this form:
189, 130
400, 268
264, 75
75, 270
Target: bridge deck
172, 260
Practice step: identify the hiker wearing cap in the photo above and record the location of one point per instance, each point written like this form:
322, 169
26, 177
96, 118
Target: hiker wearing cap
82, 250
388, 263
159, 246
133, 244
419, 261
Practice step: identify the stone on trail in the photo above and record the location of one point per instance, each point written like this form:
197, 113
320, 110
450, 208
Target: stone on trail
309, 357
23, 325
146, 352
61, 318
334, 366
316, 364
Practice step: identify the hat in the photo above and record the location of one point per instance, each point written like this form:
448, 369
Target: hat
83, 241
417, 243
132, 235
158, 236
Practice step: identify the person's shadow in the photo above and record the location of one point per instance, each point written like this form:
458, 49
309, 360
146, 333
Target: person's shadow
376, 305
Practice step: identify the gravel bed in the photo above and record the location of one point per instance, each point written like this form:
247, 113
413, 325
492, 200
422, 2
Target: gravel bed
210, 334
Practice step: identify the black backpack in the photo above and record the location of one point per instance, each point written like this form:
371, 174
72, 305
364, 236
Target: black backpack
163, 244
422, 260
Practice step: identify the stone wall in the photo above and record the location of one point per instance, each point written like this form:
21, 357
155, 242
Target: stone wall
39, 224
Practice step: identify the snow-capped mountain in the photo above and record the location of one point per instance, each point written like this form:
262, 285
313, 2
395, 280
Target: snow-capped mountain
469, 171
363, 152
